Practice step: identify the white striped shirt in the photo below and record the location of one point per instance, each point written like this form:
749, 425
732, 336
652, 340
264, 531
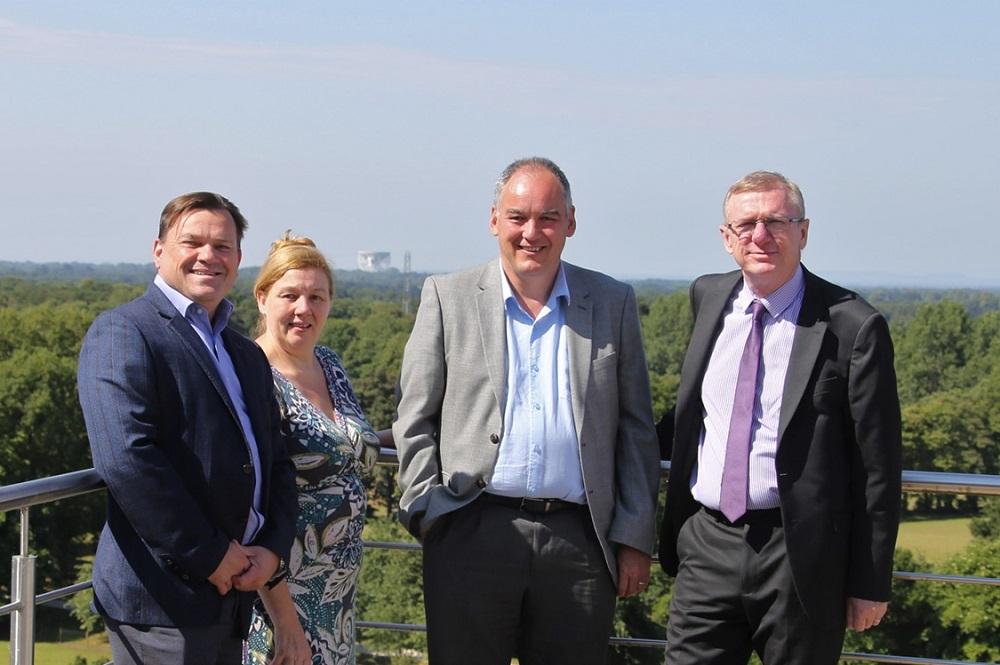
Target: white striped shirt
718, 392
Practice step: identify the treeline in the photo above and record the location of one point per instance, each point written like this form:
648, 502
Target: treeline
948, 366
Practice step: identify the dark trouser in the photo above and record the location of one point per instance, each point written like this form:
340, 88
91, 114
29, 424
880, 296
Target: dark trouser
734, 593
500, 582
221, 644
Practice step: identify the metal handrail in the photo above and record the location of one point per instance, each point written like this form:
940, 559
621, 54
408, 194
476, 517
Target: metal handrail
21, 496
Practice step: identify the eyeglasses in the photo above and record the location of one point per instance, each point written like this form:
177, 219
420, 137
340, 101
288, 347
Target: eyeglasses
774, 225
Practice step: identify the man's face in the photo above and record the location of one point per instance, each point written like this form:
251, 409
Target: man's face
531, 223
771, 253
199, 256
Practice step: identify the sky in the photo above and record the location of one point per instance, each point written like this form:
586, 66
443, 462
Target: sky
383, 126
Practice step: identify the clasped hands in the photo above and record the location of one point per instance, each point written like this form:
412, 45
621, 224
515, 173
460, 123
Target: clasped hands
244, 567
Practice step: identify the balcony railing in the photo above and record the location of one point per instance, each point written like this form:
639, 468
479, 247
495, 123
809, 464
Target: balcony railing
22, 496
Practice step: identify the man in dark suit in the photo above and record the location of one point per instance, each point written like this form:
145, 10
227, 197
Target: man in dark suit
783, 501
184, 429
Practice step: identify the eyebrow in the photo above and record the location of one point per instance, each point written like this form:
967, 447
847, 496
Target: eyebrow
550, 211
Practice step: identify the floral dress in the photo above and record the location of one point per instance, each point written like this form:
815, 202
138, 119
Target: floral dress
326, 555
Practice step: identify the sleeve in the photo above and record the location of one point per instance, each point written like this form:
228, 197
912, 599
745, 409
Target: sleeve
122, 412
876, 475
637, 467
422, 386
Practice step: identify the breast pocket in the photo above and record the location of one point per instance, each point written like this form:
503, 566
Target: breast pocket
604, 376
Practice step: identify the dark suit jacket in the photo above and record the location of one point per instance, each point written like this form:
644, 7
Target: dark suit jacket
166, 439
838, 460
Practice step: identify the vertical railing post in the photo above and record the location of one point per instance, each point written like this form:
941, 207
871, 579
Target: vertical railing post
22, 591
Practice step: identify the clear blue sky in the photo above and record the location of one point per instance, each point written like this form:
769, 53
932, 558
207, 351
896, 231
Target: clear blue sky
383, 125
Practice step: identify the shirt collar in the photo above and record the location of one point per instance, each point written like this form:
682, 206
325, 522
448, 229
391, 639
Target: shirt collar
189, 309
776, 302
560, 288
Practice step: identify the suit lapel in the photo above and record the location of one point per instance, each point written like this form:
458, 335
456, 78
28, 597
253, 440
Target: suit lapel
579, 336
707, 324
191, 343
809, 332
254, 391
493, 329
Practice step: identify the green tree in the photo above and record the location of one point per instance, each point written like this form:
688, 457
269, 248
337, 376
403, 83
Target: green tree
931, 350
971, 613
390, 590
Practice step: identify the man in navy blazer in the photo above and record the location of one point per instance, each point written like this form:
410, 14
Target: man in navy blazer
185, 431
780, 550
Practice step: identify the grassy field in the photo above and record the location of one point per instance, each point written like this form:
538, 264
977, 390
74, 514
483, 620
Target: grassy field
935, 539
95, 649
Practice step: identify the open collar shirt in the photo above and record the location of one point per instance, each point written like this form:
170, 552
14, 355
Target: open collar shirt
539, 454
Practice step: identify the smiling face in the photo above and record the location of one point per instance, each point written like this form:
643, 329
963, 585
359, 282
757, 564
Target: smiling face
199, 256
769, 257
531, 221
295, 309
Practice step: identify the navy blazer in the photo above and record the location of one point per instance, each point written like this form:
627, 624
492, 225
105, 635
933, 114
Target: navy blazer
166, 439
839, 444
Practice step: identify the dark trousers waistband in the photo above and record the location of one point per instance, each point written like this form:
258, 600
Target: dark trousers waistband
766, 517
529, 505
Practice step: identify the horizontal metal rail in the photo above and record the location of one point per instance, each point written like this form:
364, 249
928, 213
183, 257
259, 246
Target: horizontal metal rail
647, 643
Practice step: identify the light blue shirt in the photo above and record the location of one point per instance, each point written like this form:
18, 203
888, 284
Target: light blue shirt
539, 453
210, 333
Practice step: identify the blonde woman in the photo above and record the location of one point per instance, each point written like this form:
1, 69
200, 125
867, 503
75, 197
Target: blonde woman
308, 617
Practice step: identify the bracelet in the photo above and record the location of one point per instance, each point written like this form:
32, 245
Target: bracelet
276, 580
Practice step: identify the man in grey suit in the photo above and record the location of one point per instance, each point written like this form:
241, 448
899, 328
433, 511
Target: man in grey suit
784, 492
528, 458
185, 431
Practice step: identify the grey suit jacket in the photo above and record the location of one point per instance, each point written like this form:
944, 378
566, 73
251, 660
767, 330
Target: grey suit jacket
449, 424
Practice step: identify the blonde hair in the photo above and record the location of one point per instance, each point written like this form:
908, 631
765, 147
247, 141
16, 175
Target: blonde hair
763, 181
288, 253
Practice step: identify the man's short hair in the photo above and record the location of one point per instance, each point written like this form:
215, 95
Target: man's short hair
532, 163
181, 205
764, 181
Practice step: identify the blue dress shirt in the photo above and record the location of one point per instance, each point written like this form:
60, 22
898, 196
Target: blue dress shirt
539, 454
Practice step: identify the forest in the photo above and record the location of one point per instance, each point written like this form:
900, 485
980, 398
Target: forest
948, 368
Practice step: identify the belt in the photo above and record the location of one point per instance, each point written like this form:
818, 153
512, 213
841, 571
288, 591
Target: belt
529, 505
765, 517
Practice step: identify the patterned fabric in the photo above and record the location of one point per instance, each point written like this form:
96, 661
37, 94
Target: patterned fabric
326, 555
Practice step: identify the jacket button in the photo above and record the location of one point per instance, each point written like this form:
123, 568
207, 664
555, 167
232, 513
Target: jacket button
494, 438
480, 483
248, 469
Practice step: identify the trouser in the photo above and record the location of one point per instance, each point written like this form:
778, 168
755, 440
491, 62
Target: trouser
220, 644
500, 582
734, 593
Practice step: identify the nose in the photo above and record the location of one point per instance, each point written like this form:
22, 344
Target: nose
206, 253
301, 305
530, 228
760, 232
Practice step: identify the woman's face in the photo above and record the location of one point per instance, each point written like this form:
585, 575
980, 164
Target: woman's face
295, 308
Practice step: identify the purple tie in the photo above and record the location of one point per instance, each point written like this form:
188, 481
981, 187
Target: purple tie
733, 502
